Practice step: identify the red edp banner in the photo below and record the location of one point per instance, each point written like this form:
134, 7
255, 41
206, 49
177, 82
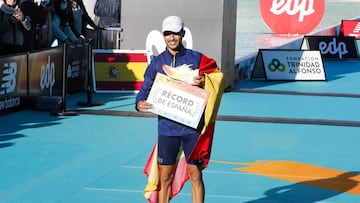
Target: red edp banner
292, 16
350, 28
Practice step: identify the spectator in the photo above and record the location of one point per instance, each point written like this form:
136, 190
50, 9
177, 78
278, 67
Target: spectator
61, 27
81, 18
13, 24
37, 18
108, 12
44, 31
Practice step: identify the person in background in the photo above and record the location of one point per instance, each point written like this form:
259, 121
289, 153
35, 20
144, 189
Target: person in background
81, 18
37, 18
108, 12
174, 136
13, 25
107, 36
62, 28
44, 36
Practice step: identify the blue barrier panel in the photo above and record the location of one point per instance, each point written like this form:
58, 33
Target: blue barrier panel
13, 81
77, 63
45, 72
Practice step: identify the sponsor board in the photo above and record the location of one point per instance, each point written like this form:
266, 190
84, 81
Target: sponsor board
24, 77
289, 65
177, 100
13, 81
350, 28
77, 63
292, 16
45, 72
332, 47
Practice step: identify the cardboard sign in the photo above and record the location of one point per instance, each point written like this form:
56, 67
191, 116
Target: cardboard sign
289, 65
177, 100
332, 47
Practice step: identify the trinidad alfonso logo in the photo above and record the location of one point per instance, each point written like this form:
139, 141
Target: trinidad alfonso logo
276, 65
292, 16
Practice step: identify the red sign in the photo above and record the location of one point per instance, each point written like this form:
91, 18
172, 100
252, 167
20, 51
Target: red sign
351, 28
292, 16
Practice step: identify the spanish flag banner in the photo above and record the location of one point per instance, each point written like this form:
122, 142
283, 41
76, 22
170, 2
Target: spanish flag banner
118, 70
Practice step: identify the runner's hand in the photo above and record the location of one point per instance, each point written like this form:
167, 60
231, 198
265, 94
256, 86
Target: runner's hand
143, 106
199, 81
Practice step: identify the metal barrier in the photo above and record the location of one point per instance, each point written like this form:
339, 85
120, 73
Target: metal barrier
107, 38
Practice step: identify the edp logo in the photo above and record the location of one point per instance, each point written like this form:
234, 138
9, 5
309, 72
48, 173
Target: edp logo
47, 77
292, 16
333, 47
293, 7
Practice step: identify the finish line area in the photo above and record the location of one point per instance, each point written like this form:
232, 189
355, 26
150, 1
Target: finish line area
274, 141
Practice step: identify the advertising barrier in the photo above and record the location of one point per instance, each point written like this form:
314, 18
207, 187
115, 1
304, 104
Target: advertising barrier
289, 65
332, 47
350, 28
77, 63
48, 75
27, 78
45, 73
13, 82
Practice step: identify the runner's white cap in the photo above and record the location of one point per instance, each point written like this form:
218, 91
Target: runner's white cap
172, 24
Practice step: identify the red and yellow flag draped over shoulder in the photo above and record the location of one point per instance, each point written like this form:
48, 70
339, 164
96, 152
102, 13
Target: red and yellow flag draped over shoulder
214, 83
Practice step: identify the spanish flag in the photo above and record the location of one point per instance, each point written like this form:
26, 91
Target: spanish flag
119, 69
214, 83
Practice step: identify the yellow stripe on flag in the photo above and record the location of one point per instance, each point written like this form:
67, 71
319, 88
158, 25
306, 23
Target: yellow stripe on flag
112, 71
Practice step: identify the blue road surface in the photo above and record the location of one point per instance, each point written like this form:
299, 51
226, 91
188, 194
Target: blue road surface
98, 156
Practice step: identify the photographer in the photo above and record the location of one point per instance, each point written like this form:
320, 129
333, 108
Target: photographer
13, 25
